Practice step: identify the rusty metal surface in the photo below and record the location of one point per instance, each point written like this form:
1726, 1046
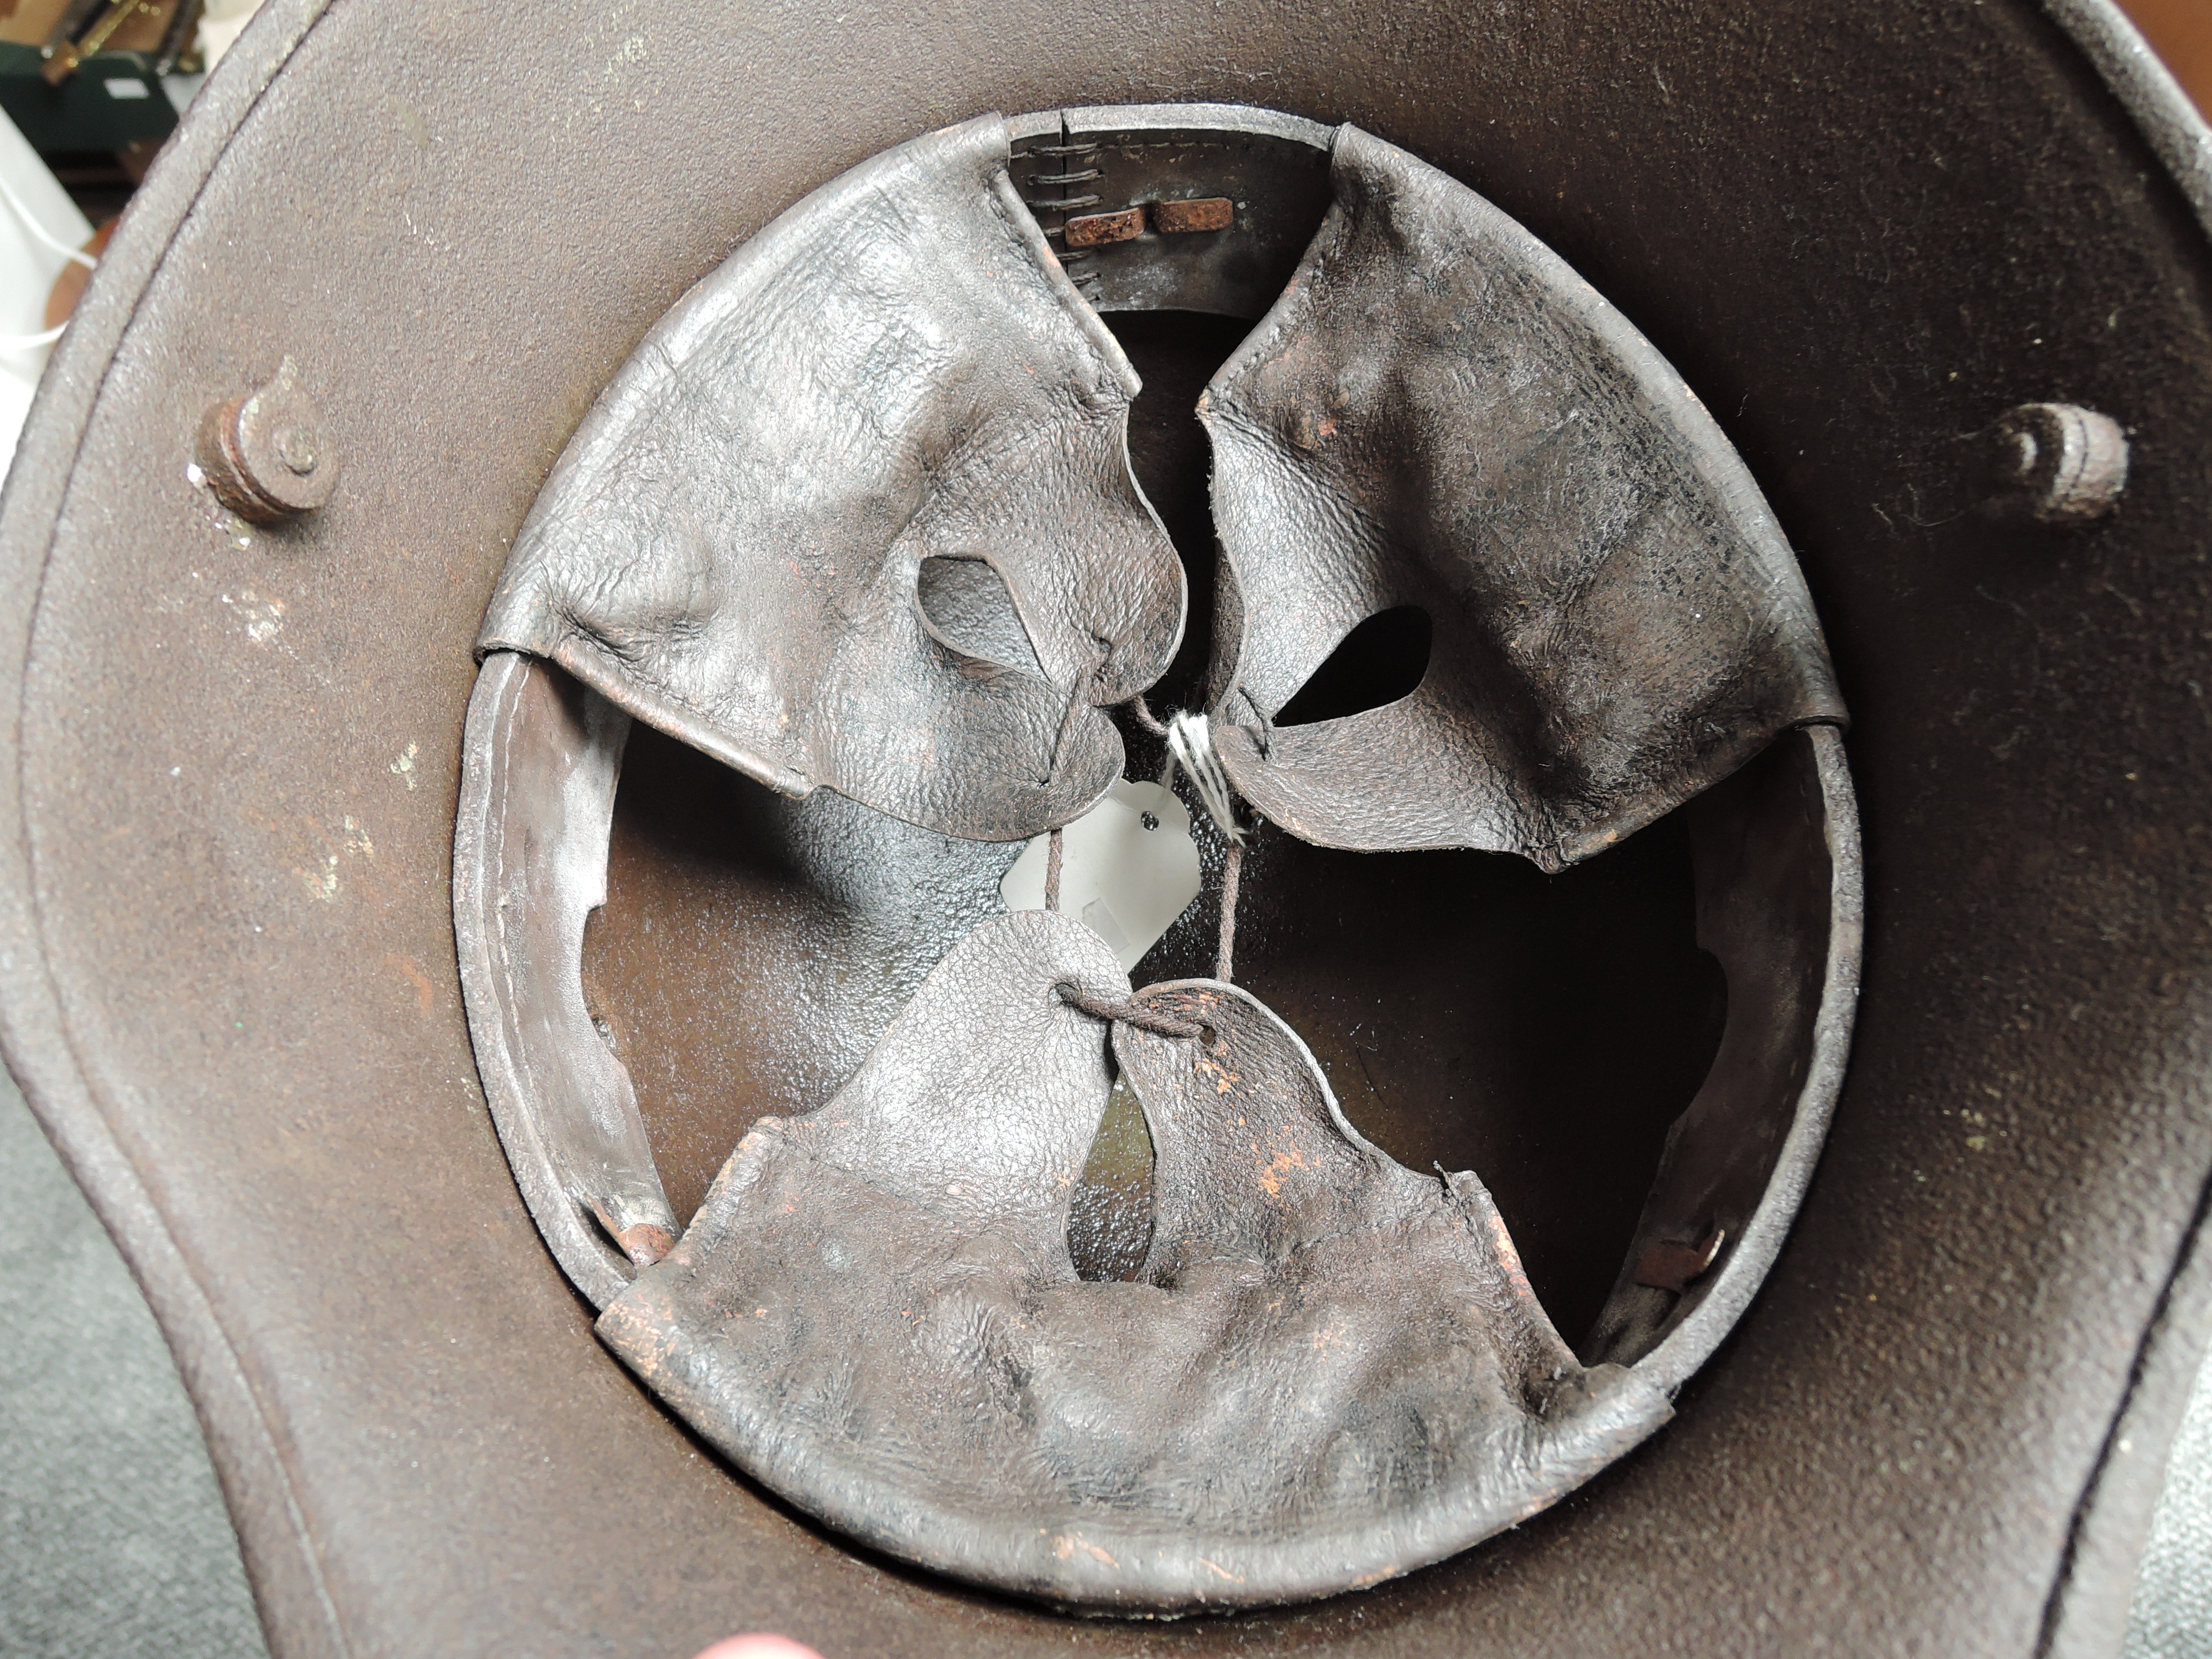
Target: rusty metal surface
1273, 166
1675, 1266
1097, 230
1819, 219
1193, 217
264, 452
1167, 218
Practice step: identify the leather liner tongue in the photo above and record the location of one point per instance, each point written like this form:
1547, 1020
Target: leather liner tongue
1331, 1373
1439, 414
732, 547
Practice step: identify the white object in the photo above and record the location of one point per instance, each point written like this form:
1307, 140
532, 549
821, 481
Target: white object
41, 229
1190, 745
181, 89
220, 25
127, 87
1127, 869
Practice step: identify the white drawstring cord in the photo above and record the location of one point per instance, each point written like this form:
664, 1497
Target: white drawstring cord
1190, 745
29, 341
38, 232
31, 223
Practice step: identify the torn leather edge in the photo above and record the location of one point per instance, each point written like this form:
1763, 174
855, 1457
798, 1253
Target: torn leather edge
595, 1162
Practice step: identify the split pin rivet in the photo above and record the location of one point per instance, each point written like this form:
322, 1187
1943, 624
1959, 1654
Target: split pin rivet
2055, 463
266, 455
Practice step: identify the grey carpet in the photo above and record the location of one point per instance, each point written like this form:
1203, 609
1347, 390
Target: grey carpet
113, 1542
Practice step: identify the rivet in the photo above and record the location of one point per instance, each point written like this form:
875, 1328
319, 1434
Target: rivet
266, 454
2054, 463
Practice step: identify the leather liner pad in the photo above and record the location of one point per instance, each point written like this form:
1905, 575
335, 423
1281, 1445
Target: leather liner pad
1439, 412
730, 549
1330, 1371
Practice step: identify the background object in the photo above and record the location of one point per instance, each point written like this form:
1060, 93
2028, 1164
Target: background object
2180, 33
97, 85
223, 23
68, 287
2172, 1613
39, 223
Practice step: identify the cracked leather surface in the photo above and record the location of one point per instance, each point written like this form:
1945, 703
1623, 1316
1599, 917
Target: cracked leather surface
731, 548
1329, 1372
1439, 413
